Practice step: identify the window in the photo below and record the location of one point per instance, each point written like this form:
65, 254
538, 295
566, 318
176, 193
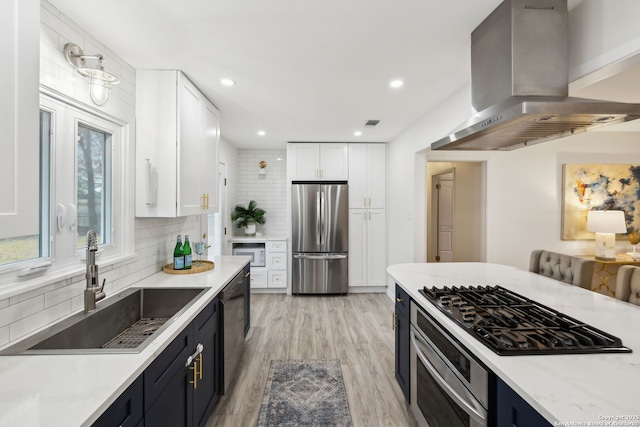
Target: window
25, 228
80, 185
94, 183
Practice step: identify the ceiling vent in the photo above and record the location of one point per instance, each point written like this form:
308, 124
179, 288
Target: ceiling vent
372, 123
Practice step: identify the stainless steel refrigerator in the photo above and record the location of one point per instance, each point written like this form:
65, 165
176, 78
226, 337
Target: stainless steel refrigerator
320, 238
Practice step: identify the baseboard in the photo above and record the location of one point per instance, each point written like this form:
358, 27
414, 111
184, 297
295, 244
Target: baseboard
269, 291
367, 289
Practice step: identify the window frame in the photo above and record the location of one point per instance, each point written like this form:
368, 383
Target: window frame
68, 261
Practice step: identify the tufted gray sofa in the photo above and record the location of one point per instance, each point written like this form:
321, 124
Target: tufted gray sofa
565, 268
628, 284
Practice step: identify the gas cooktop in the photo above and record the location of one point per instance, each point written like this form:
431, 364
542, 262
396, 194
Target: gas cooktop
511, 324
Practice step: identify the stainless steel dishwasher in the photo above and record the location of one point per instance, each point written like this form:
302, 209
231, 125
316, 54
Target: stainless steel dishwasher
232, 298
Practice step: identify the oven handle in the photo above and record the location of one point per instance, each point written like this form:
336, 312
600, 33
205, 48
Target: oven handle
469, 405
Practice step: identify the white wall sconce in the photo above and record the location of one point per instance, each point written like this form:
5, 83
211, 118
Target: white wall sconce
100, 81
263, 166
606, 224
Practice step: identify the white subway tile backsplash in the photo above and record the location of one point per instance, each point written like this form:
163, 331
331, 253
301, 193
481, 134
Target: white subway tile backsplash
29, 324
23, 309
60, 295
269, 190
4, 335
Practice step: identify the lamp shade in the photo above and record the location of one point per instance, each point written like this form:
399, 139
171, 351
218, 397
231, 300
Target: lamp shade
606, 222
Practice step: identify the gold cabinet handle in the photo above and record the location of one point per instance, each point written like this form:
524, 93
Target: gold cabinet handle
194, 368
399, 300
247, 274
393, 321
200, 361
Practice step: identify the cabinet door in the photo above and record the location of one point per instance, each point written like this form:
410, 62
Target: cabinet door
19, 100
168, 394
357, 175
513, 411
169, 364
189, 134
334, 162
206, 332
402, 355
208, 157
127, 410
376, 176
376, 247
357, 247
304, 162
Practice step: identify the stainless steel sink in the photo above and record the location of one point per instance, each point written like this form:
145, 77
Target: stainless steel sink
124, 323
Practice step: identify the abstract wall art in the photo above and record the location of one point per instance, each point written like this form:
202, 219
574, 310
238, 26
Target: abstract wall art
598, 186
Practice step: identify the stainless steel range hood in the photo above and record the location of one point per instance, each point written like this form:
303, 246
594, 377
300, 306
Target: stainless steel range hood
519, 82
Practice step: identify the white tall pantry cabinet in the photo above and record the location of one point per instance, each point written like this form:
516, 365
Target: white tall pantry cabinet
367, 216
177, 138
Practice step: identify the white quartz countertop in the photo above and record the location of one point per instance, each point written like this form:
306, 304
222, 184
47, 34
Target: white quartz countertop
74, 390
564, 388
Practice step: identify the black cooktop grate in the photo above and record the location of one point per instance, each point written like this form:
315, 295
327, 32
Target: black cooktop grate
511, 324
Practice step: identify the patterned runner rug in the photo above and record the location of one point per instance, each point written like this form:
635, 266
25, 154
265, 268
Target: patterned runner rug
304, 393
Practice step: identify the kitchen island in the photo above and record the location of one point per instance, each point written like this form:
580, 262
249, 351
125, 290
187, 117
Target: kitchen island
75, 389
566, 389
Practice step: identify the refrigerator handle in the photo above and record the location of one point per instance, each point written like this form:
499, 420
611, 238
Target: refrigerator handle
323, 208
321, 256
318, 210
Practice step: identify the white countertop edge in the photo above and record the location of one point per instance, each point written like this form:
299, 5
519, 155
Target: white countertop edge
255, 239
69, 390
562, 388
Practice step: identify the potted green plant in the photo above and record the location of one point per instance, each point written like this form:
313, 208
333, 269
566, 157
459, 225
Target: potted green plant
248, 217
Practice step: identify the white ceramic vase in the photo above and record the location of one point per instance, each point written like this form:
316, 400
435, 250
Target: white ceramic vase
250, 230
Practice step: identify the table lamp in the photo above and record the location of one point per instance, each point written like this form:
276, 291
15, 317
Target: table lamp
606, 224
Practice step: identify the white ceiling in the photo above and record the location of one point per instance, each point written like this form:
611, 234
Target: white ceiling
305, 70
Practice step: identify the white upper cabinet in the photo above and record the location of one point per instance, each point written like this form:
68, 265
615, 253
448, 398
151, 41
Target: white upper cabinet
318, 162
19, 99
367, 174
177, 138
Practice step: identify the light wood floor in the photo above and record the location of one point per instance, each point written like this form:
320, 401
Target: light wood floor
356, 329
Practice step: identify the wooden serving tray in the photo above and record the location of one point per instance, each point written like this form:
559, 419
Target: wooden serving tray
196, 267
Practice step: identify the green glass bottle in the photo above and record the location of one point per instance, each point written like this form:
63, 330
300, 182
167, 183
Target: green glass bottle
178, 256
186, 250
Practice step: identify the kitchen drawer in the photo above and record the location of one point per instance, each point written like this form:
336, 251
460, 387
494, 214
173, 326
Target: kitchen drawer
278, 279
276, 246
277, 261
258, 278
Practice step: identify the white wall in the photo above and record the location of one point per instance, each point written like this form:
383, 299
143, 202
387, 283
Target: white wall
269, 190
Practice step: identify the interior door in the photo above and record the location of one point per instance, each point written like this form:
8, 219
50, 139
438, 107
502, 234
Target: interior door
444, 244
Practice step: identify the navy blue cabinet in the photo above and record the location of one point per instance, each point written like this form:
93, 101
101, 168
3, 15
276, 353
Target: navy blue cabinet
182, 394
401, 327
127, 410
513, 411
207, 390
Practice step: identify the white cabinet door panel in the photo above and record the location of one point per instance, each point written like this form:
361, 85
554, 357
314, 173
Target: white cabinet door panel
304, 162
357, 175
334, 162
376, 246
357, 247
376, 176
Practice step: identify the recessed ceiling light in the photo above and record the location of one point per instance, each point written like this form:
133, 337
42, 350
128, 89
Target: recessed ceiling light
357, 133
396, 83
227, 82
261, 133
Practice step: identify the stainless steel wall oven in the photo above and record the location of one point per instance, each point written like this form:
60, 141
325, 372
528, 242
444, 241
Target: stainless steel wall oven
449, 387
